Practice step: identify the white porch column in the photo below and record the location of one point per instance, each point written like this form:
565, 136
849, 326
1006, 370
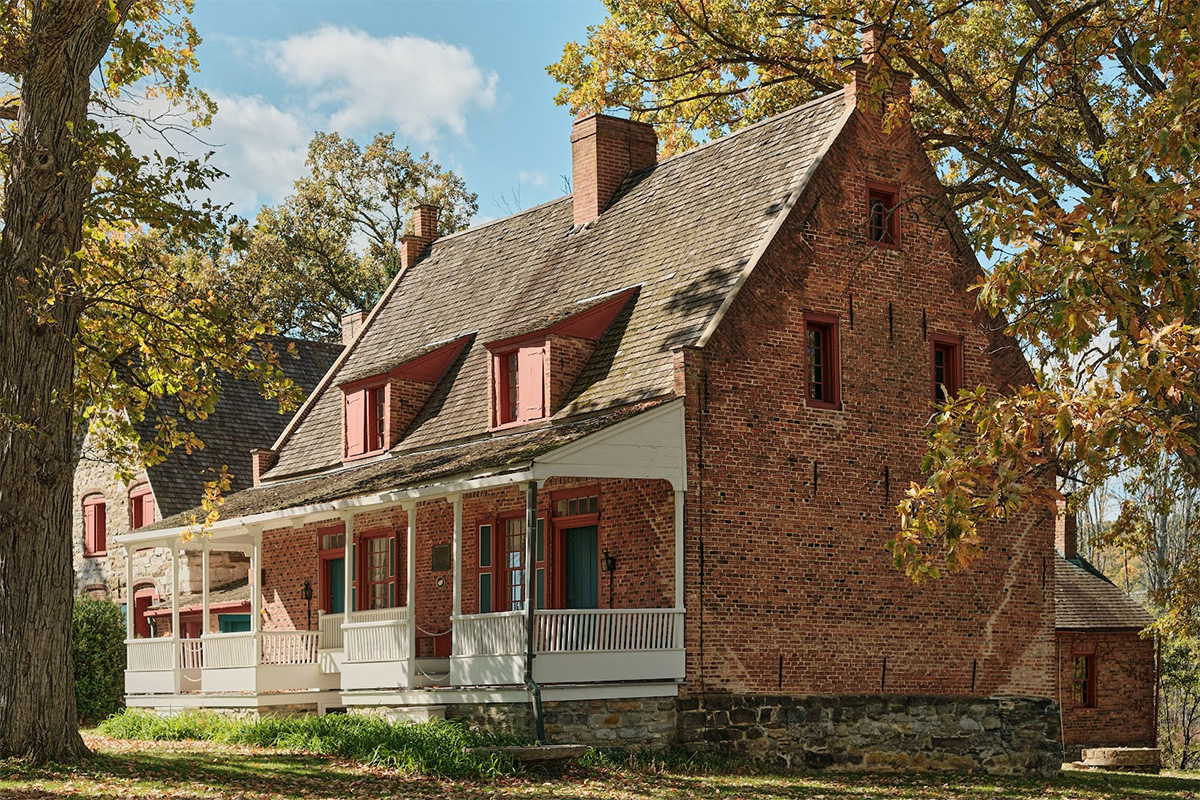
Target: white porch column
678, 549
348, 566
256, 580
175, 595
204, 616
410, 585
457, 556
128, 592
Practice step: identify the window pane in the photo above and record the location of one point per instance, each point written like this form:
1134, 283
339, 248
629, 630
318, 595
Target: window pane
514, 562
816, 363
512, 400
485, 593
485, 545
540, 584
539, 543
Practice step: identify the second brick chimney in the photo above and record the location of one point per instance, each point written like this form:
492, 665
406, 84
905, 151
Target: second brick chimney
425, 230
351, 324
604, 151
873, 68
1066, 532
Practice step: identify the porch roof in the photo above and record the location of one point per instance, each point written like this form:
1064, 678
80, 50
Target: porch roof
1085, 599
492, 456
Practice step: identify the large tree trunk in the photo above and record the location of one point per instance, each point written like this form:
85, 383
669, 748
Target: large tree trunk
48, 184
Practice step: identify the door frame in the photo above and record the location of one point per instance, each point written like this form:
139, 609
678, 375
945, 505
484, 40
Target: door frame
324, 596
556, 555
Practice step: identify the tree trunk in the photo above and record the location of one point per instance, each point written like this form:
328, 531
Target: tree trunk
48, 184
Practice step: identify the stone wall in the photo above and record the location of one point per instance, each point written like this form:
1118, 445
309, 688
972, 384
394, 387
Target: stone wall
999, 736
881, 733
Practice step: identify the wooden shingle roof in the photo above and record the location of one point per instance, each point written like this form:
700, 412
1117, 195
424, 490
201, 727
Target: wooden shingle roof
241, 421
1085, 599
682, 232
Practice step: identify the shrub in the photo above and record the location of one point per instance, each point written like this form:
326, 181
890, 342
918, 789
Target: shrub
437, 747
98, 654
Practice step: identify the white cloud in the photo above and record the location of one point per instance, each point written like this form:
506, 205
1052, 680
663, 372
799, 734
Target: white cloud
419, 86
534, 178
260, 147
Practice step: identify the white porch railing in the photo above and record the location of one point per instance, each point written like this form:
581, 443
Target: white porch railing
380, 635
330, 625
229, 650
289, 647
600, 630
147, 655
489, 634
191, 653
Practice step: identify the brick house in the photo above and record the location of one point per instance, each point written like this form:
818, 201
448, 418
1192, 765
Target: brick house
1107, 669
106, 507
675, 410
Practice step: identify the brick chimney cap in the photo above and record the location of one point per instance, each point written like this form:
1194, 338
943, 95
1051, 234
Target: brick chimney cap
599, 119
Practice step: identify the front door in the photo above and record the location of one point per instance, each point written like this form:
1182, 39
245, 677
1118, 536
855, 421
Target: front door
335, 579
582, 566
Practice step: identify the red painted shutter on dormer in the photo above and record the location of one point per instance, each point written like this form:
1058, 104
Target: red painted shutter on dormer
89, 528
147, 508
532, 382
356, 423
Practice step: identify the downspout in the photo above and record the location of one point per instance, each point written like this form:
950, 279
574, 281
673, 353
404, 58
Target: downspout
535, 691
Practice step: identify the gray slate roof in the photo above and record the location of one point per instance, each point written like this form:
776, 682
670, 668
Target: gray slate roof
1085, 599
241, 421
683, 231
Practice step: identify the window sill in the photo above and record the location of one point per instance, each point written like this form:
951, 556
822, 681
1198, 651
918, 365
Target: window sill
97, 554
363, 456
822, 405
521, 423
884, 245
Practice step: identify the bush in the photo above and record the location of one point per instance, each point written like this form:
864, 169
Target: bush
437, 747
98, 653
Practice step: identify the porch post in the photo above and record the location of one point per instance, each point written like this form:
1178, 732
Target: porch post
410, 585
678, 549
348, 567
175, 591
204, 617
128, 592
256, 581
456, 558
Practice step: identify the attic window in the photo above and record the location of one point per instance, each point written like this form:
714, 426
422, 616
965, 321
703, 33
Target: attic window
883, 218
946, 367
95, 526
141, 507
366, 420
519, 384
822, 370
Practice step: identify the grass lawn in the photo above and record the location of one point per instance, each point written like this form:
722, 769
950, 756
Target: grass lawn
129, 769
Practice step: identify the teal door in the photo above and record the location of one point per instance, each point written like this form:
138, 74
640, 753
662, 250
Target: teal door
335, 575
583, 567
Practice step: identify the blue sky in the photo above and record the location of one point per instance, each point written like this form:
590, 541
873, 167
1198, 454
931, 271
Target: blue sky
463, 79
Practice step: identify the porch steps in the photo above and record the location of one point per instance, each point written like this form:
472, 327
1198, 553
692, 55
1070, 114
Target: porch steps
413, 713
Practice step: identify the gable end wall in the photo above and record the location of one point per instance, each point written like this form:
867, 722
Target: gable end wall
789, 588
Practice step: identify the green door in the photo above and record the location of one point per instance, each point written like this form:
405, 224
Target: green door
583, 567
336, 575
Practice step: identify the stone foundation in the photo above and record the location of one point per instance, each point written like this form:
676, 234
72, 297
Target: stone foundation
881, 733
999, 736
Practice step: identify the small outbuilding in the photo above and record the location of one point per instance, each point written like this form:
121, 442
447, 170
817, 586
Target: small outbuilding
1107, 665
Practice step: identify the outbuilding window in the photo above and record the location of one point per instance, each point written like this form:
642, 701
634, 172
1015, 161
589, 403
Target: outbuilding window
95, 526
945, 367
1083, 681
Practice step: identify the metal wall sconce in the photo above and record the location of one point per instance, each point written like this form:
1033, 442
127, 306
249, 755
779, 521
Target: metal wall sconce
307, 594
608, 562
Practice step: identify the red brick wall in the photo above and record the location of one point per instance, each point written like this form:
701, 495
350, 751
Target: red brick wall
565, 359
789, 586
636, 525
1125, 689
405, 399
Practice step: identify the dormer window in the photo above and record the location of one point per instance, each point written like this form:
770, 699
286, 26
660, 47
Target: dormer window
883, 217
520, 382
366, 421
141, 507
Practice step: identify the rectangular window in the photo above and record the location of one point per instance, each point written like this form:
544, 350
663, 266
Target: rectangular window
141, 508
945, 367
485, 569
1083, 681
520, 390
574, 506
366, 416
95, 526
379, 573
513, 563
822, 375
883, 217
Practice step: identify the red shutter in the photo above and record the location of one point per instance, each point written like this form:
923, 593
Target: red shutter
531, 383
356, 423
100, 528
147, 508
89, 528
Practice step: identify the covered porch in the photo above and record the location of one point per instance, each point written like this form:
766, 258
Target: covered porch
507, 620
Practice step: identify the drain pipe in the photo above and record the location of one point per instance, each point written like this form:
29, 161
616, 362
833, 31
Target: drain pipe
531, 520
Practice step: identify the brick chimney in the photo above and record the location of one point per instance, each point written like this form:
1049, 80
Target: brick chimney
261, 461
604, 151
872, 69
425, 223
1066, 532
351, 324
